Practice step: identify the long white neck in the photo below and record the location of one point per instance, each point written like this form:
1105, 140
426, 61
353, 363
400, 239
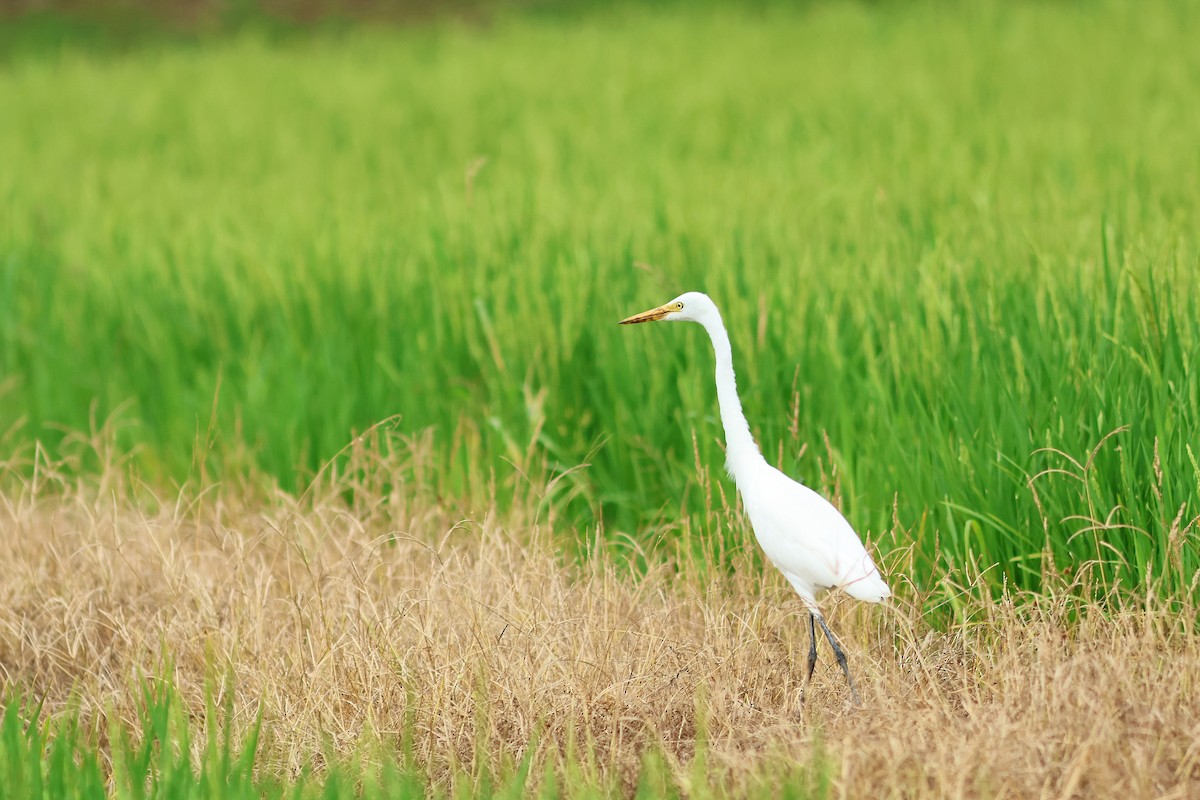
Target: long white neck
740, 449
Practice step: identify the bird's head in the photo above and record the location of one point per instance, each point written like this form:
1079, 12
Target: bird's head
688, 307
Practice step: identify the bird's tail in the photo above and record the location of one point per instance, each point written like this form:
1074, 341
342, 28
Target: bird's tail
868, 586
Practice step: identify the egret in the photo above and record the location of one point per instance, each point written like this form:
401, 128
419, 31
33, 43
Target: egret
801, 532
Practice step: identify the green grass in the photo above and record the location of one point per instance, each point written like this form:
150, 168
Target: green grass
160, 758
960, 234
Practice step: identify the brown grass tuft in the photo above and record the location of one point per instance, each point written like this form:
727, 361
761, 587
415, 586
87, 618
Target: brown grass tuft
346, 617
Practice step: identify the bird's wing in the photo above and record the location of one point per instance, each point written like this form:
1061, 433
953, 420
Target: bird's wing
808, 539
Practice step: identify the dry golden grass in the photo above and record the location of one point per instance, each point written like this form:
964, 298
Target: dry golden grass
355, 618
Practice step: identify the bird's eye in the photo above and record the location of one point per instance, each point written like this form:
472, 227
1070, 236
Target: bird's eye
679, 306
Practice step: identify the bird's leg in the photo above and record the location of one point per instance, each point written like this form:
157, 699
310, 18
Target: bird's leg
812, 651
841, 659
812, 656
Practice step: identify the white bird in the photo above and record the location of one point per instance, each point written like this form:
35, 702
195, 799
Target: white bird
803, 535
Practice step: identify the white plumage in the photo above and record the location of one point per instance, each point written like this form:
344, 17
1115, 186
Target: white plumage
802, 534
806, 537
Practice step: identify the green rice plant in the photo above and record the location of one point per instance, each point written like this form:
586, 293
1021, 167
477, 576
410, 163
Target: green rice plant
54, 759
955, 252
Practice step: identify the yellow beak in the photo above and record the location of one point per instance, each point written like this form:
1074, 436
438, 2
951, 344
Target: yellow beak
652, 315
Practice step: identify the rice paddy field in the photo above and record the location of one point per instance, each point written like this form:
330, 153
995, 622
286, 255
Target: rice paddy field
326, 471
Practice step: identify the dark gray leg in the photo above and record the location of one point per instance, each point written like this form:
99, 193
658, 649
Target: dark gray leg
841, 659
812, 651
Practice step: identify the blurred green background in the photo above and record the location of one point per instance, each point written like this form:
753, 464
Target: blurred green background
944, 237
